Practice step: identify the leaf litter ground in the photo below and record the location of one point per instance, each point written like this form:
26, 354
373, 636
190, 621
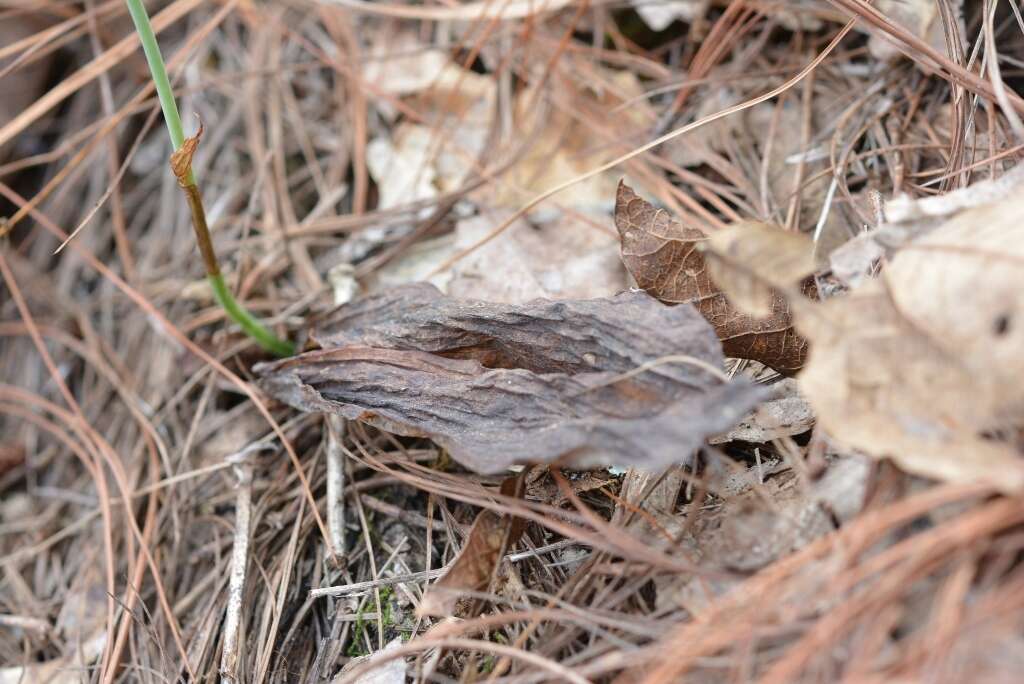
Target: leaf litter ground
861, 523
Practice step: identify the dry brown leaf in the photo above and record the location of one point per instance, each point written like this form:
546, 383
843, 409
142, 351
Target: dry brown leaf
923, 364
477, 564
499, 384
662, 255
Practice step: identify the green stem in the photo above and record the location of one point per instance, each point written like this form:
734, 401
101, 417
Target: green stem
249, 324
158, 71
221, 293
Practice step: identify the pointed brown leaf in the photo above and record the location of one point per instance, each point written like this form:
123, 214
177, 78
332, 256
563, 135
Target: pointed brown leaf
663, 256
477, 563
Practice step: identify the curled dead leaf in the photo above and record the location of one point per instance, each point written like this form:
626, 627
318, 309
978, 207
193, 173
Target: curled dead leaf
499, 384
663, 256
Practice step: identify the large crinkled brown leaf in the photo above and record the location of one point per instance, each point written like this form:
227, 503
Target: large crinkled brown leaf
663, 256
499, 384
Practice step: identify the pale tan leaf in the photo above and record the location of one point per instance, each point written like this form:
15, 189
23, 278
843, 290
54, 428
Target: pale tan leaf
923, 364
750, 260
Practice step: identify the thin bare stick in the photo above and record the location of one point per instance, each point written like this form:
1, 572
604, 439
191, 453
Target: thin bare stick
236, 586
336, 483
359, 587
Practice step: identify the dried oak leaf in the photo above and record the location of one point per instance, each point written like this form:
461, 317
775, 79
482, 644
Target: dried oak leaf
923, 363
498, 384
663, 256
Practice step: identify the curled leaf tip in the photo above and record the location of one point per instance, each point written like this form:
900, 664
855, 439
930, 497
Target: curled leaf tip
181, 159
